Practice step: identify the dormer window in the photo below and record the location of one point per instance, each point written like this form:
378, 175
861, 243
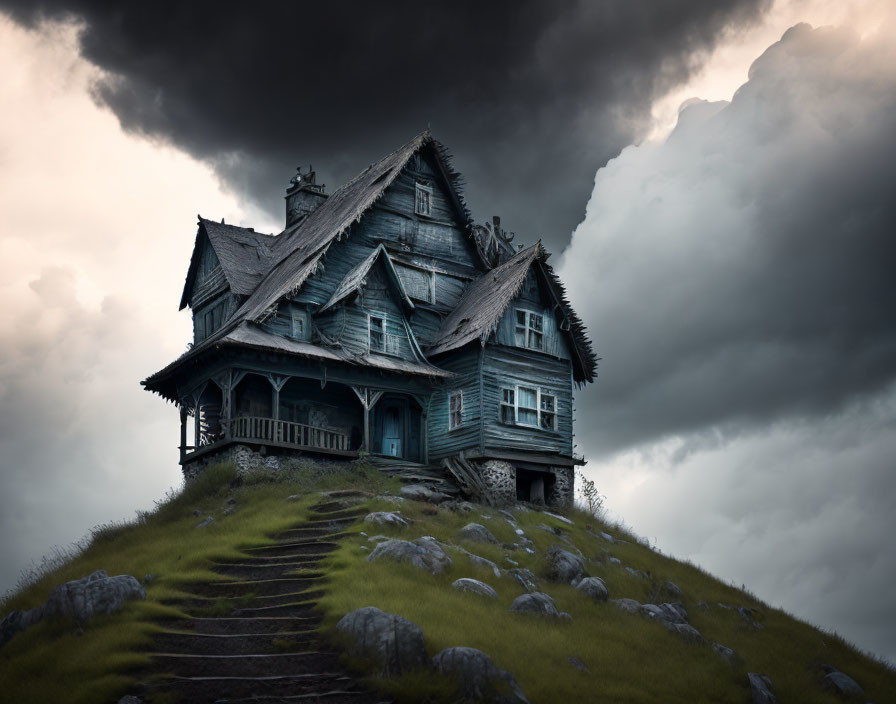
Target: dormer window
423, 200
299, 325
529, 330
376, 327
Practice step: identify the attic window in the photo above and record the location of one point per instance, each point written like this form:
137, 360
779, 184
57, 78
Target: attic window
423, 200
529, 330
376, 327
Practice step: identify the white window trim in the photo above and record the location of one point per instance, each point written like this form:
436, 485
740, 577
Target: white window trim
381, 316
529, 329
460, 410
420, 187
538, 410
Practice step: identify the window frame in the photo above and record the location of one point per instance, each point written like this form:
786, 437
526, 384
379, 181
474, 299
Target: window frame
458, 410
301, 317
382, 332
540, 412
527, 329
419, 202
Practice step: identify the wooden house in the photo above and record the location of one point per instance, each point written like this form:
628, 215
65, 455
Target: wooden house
382, 320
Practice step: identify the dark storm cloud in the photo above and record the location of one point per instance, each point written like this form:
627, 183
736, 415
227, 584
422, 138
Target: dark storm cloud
532, 96
742, 271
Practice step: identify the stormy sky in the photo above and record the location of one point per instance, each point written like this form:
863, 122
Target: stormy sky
732, 259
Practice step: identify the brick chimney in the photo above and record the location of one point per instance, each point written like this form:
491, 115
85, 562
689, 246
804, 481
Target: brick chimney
303, 195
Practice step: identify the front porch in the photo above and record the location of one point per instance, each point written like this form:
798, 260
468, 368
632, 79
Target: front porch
299, 414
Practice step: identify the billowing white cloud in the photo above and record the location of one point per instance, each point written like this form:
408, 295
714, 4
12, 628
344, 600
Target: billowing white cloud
738, 283
96, 229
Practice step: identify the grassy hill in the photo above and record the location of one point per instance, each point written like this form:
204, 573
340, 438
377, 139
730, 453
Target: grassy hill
621, 657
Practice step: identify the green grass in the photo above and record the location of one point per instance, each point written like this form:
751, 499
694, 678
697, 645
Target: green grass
56, 662
629, 658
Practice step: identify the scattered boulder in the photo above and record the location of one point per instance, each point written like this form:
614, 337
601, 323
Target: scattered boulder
672, 588
703, 606
593, 587
424, 553
481, 562
614, 560
479, 680
636, 573
422, 492
565, 616
727, 654
578, 664
130, 699
477, 533
685, 630
79, 600
761, 689
525, 577
748, 615
387, 518
535, 603
842, 684
562, 519
392, 642
674, 613
629, 605
466, 584
208, 521
564, 567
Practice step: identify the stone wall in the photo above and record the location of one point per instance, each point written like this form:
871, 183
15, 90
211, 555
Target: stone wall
563, 491
500, 479
246, 459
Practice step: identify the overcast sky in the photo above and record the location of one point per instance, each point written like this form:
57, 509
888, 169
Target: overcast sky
732, 260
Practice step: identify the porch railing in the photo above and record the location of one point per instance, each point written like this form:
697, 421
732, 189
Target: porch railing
283, 432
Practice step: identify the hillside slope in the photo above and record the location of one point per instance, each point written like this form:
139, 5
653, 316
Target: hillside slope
602, 653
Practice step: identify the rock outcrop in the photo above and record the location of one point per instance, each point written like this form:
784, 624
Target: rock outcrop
424, 553
79, 600
479, 680
393, 643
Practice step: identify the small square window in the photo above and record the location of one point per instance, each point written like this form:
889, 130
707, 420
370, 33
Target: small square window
548, 415
529, 330
423, 199
455, 410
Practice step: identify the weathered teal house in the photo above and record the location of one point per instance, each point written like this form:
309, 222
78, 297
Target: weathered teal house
382, 320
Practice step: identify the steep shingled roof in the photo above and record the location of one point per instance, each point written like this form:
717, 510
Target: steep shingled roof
483, 304
245, 256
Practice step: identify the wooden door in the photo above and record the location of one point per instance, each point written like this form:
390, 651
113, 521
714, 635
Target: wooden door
393, 430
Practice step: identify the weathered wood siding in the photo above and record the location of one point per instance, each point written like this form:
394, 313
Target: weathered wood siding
533, 298
512, 367
442, 441
213, 313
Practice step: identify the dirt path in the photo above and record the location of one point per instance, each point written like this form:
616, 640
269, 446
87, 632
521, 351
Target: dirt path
254, 637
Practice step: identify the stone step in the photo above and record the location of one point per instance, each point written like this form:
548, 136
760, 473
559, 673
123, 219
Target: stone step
249, 563
210, 690
240, 589
315, 548
335, 696
248, 665
296, 608
227, 625
186, 643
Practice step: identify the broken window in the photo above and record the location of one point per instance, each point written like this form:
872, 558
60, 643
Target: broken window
423, 199
455, 410
529, 330
376, 327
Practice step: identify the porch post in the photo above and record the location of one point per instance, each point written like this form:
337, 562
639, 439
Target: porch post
183, 432
366, 428
196, 423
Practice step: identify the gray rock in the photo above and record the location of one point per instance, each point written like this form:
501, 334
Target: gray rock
562, 519
747, 614
477, 533
130, 699
422, 492
578, 664
841, 683
727, 654
79, 600
761, 689
674, 613
208, 521
378, 538
614, 560
636, 573
477, 677
593, 587
653, 611
685, 630
563, 566
629, 605
149, 577
424, 553
565, 616
672, 588
227, 511
392, 642
526, 578
508, 515
197, 512
465, 507
535, 603
466, 584
387, 518
703, 606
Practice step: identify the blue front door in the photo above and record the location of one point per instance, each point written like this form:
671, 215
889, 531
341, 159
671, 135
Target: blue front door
393, 424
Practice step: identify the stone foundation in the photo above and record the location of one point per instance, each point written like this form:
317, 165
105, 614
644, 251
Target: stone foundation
246, 459
500, 479
563, 491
